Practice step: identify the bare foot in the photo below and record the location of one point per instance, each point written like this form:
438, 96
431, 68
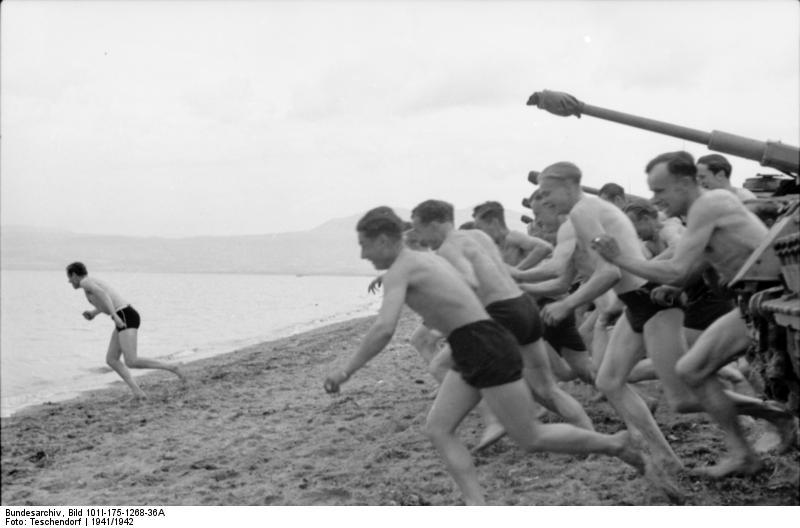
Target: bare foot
491, 435
632, 452
138, 397
665, 481
743, 465
657, 475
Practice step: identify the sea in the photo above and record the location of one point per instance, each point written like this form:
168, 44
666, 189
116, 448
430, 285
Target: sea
49, 352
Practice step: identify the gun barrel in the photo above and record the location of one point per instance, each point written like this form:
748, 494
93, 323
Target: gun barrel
785, 158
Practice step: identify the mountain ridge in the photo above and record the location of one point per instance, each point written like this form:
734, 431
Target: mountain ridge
328, 249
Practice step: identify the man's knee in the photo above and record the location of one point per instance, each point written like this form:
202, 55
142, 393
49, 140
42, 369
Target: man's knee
609, 382
133, 363
435, 431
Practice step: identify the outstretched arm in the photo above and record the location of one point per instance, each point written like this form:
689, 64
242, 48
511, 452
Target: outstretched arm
605, 274
553, 287
555, 266
379, 334
535, 249
688, 254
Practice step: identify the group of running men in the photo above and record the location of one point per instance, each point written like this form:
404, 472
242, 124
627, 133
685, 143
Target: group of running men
609, 291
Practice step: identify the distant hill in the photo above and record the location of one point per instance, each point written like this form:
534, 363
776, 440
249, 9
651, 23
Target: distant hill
329, 249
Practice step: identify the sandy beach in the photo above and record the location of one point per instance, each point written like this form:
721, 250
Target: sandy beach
255, 427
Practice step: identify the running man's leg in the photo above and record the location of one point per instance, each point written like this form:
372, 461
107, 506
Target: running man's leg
513, 404
128, 343
717, 346
540, 378
625, 349
113, 361
679, 395
581, 364
493, 431
454, 400
561, 370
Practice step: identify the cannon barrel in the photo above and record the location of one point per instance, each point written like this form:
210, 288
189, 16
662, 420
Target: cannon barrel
533, 177
773, 154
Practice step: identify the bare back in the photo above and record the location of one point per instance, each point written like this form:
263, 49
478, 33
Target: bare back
436, 291
494, 281
593, 217
735, 232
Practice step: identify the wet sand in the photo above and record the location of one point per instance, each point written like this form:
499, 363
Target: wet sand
255, 427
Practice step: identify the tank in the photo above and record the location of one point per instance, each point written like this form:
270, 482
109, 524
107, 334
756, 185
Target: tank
768, 283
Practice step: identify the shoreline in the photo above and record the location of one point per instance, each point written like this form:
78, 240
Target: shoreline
60, 391
255, 427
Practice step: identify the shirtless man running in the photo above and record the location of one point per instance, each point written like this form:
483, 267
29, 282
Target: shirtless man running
721, 233
518, 249
126, 327
592, 217
563, 336
478, 260
487, 359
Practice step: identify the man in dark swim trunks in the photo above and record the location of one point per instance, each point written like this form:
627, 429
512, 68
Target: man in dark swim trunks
720, 233
478, 259
633, 333
126, 327
487, 360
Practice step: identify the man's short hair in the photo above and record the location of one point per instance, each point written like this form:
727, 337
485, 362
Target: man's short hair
466, 226
433, 211
563, 171
490, 210
679, 163
612, 190
716, 163
78, 268
381, 221
640, 209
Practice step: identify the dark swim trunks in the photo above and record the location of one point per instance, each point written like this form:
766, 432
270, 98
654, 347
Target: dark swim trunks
706, 302
520, 316
130, 317
704, 306
563, 334
485, 354
639, 308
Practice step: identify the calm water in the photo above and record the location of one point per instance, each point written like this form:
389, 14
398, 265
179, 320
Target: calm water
49, 352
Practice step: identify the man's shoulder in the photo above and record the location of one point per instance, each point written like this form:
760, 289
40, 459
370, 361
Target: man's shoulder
714, 200
743, 194
89, 283
588, 204
566, 230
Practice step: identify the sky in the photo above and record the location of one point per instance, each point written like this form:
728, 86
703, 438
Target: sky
178, 119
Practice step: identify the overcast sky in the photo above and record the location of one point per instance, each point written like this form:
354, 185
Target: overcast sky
190, 118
